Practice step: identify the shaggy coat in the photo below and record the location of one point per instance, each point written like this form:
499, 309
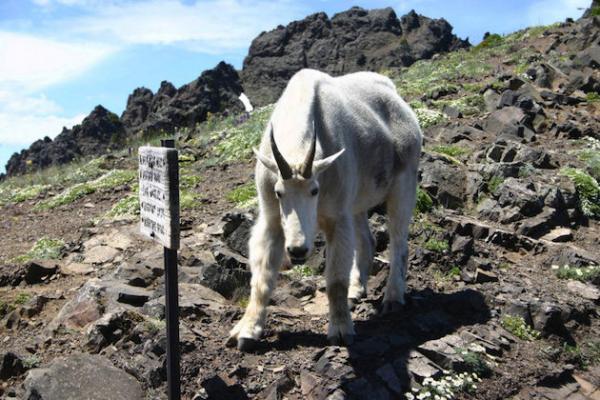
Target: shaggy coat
333, 149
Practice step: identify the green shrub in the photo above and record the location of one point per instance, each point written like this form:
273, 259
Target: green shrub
129, 205
494, 183
302, 271
107, 181
22, 298
439, 246
492, 40
583, 274
517, 326
187, 199
424, 203
591, 158
31, 361
237, 142
243, 195
154, 325
428, 117
474, 362
592, 97
43, 249
447, 386
468, 105
451, 150
588, 190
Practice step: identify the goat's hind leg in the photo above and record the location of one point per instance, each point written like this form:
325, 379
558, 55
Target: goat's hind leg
363, 259
266, 253
400, 204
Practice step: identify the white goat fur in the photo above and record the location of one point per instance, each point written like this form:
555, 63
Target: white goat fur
362, 114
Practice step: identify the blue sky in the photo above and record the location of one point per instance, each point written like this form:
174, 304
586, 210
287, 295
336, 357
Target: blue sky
60, 58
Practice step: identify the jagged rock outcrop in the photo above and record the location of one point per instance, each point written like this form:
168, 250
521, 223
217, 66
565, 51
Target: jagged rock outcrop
216, 90
100, 131
352, 40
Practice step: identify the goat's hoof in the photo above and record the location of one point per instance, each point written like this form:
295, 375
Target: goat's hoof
231, 341
341, 340
246, 344
391, 307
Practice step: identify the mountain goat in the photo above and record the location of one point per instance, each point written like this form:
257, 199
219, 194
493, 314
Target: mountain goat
333, 149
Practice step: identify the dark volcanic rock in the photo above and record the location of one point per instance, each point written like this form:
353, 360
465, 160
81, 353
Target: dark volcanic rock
444, 181
138, 107
38, 270
81, 376
11, 365
99, 132
353, 40
216, 90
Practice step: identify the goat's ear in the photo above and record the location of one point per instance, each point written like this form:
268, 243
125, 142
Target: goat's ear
271, 165
321, 165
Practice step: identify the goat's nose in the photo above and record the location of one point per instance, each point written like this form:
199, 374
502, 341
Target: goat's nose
297, 251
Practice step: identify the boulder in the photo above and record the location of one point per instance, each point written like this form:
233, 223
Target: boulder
85, 307
39, 270
510, 122
194, 299
81, 376
589, 57
443, 181
521, 196
11, 364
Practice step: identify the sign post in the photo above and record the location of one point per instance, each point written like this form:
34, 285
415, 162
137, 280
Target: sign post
159, 220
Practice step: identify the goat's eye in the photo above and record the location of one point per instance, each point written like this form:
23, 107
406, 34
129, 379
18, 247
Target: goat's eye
278, 194
314, 192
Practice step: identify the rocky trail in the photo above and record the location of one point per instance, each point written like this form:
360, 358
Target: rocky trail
504, 269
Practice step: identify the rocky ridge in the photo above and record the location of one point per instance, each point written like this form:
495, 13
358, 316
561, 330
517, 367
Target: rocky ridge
353, 40
146, 114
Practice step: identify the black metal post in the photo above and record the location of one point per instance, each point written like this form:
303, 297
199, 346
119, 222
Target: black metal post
172, 314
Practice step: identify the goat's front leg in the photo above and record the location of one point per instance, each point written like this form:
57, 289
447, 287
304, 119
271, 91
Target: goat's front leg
266, 253
340, 252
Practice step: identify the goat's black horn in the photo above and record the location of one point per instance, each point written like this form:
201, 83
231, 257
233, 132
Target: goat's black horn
310, 156
284, 167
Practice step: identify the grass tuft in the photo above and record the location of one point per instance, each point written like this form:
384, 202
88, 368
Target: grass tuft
424, 203
494, 183
22, 298
302, 271
451, 150
517, 326
428, 117
238, 141
474, 362
583, 274
243, 196
588, 190
107, 181
43, 249
438, 246
492, 40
